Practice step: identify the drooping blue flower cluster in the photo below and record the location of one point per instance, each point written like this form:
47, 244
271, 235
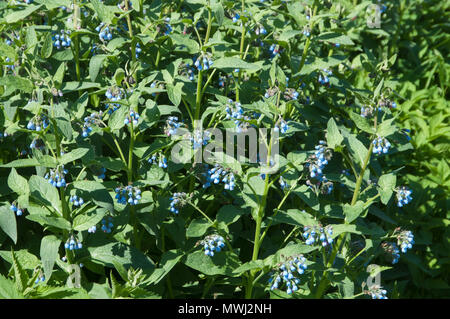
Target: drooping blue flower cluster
403, 196
236, 17
406, 133
178, 200
62, 40
259, 29
318, 161
10, 67
392, 249
132, 117
291, 94
37, 143
376, 292
92, 229
107, 225
314, 234
160, 158
137, 50
128, 194
40, 278
323, 79
405, 239
56, 176
114, 95
381, 145
38, 123
219, 174
16, 209
76, 201
203, 62
73, 244
90, 120
104, 33
367, 111
199, 138
212, 243
281, 126
306, 32
187, 70
274, 49
172, 125
286, 274
165, 28
235, 112
284, 185
102, 173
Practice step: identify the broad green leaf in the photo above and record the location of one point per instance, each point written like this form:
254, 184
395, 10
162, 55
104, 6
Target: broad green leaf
73, 155
308, 196
222, 263
98, 193
334, 137
386, 185
198, 227
46, 220
49, 253
47, 46
8, 223
228, 64
88, 219
22, 14
17, 183
353, 212
174, 92
95, 64
45, 193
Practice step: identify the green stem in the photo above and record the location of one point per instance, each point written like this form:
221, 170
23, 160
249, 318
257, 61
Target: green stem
241, 52
308, 39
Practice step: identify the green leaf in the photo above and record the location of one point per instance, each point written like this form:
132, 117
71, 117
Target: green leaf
103, 12
308, 196
8, 223
17, 82
229, 64
190, 44
294, 217
334, 37
98, 193
88, 219
219, 14
73, 155
45, 193
198, 227
361, 122
31, 38
20, 274
220, 264
386, 185
22, 14
168, 260
8, 289
95, 64
49, 253
229, 214
118, 252
174, 92
47, 46
46, 220
116, 121
7, 51
62, 120
17, 183
334, 137
353, 212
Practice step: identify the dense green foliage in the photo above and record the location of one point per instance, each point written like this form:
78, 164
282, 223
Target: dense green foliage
74, 75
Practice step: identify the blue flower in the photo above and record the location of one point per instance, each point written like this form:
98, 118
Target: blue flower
62, 40
172, 126
177, 201
287, 272
73, 244
107, 225
56, 176
403, 196
211, 244
381, 146
76, 201
314, 234
128, 194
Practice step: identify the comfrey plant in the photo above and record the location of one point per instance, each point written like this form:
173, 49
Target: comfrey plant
107, 127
